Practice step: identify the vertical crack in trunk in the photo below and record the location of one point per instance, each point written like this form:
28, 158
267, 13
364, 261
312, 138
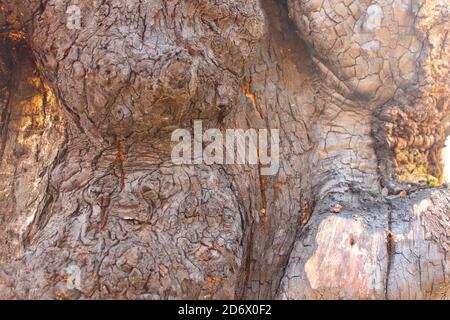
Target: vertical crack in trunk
11, 88
390, 249
5, 117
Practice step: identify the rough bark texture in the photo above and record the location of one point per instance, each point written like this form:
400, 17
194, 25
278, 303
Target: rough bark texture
94, 208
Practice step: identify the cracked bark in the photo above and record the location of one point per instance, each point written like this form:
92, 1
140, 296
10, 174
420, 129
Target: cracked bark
94, 208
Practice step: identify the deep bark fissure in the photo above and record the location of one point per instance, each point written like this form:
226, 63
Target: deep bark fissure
111, 204
390, 249
11, 87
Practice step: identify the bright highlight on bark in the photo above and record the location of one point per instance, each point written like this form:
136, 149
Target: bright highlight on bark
446, 160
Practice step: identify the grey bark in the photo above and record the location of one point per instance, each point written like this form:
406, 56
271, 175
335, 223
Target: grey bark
93, 208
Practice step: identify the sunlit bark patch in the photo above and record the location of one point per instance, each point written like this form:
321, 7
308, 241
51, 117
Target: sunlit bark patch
31, 131
446, 160
342, 240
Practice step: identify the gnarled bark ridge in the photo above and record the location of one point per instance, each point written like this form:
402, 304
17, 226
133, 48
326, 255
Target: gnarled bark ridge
95, 208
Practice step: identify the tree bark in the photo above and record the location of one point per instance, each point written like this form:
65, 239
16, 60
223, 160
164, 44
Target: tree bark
94, 208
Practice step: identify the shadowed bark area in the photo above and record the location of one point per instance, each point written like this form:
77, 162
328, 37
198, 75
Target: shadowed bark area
95, 208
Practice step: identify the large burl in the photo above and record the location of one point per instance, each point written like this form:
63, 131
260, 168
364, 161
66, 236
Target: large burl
96, 209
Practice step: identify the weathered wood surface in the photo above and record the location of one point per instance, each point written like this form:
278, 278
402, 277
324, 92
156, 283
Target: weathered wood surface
92, 206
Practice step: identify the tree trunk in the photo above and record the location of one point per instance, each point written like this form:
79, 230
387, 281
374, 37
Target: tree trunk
94, 207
